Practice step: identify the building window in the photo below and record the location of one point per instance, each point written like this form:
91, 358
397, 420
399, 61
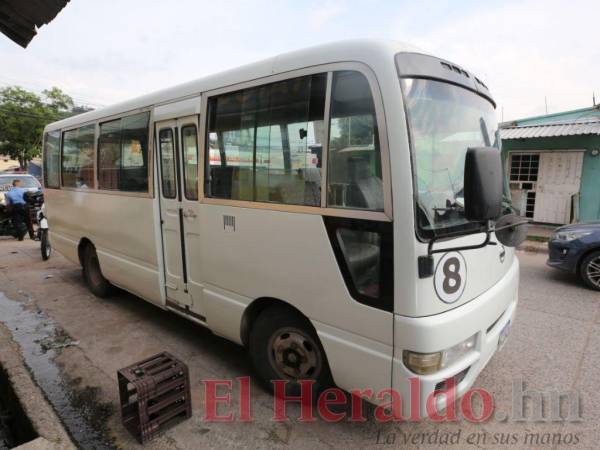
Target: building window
530, 204
52, 159
265, 142
123, 154
354, 164
524, 167
189, 140
78, 157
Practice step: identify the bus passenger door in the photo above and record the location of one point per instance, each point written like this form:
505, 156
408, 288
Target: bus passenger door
188, 138
171, 212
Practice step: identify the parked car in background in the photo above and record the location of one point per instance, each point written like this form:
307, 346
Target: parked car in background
576, 248
28, 182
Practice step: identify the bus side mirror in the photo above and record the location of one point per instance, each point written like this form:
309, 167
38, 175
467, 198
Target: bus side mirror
483, 183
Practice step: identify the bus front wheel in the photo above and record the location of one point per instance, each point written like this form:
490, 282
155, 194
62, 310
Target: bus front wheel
284, 346
92, 274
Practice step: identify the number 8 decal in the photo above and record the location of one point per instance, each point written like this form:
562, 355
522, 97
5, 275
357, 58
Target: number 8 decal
450, 277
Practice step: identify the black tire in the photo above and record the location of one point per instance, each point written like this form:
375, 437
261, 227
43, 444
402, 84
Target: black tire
589, 270
92, 274
272, 326
45, 246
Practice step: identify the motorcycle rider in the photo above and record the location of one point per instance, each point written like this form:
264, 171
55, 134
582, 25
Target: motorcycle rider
15, 200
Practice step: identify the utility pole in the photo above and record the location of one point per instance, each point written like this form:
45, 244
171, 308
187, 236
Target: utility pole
594, 98
546, 102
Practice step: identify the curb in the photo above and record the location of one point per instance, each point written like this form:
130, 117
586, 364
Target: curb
51, 434
532, 247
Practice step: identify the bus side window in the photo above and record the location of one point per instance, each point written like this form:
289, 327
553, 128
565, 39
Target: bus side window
354, 164
78, 157
52, 160
134, 153
190, 161
109, 155
123, 154
265, 142
362, 252
167, 163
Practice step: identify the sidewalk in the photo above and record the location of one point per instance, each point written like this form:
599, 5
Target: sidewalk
537, 238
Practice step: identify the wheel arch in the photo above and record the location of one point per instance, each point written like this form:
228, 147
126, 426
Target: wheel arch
584, 255
83, 243
257, 306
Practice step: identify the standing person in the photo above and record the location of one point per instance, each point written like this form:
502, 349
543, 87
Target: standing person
15, 199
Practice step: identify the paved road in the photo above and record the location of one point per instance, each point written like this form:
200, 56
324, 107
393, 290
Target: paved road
554, 346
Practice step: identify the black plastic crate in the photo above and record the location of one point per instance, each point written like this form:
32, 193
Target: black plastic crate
154, 393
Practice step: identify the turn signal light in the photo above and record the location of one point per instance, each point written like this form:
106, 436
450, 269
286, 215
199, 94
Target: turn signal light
422, 363
428, 363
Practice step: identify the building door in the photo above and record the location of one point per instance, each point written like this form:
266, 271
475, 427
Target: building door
559, 179
177, 144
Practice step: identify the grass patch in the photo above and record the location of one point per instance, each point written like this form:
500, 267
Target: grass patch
538, 238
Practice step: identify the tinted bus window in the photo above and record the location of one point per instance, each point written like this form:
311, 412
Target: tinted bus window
167, 163
52, 159
264, 142
189, 142
123, 154
78, 157
109, 155
354, 165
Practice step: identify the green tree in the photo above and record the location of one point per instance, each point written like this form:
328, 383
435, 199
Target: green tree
23, 116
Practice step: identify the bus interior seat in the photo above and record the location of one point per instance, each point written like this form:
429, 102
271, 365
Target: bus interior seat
220, 181
312, 185
365, 189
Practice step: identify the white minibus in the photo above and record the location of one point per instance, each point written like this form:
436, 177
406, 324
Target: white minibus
335, 210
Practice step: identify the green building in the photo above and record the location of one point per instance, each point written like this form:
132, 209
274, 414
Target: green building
553, 165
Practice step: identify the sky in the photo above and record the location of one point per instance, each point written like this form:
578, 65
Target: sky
528, 52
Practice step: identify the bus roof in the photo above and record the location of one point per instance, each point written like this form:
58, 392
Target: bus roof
373, 53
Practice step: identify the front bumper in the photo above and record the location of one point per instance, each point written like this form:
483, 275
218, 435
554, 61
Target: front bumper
563, 255
485, 317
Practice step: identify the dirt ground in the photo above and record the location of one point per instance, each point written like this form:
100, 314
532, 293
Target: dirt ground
554, 345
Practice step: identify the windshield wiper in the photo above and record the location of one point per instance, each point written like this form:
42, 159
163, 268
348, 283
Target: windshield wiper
452, 205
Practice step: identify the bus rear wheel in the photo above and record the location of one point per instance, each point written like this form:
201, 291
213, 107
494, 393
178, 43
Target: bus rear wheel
284, 346
92, 274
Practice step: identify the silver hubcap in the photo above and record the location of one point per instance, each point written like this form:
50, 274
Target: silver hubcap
294, 355
592, 271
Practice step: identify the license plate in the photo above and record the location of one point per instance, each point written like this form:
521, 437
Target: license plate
503, 335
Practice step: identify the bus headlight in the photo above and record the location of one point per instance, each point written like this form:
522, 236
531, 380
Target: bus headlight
428, 363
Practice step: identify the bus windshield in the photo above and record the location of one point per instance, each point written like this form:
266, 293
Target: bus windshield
444, 121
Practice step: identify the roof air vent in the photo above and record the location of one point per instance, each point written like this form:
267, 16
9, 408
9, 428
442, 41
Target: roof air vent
480, 82
454, 68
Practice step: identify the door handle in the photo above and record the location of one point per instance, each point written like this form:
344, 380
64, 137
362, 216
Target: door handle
189, 214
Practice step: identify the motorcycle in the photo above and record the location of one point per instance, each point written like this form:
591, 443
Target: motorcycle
8, 227
18, 228
37, 211
42, 233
